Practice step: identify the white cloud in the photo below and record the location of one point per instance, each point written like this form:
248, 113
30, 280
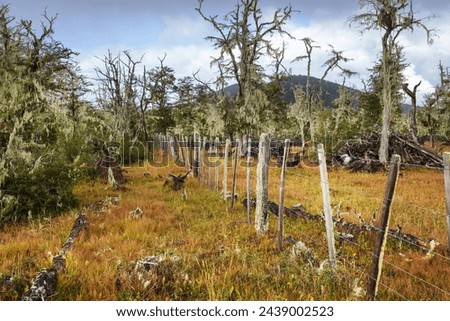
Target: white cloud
364, 49
182, 29
413, 78
184, 59
182, 39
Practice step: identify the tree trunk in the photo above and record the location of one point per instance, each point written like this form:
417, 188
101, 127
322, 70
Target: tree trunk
144, 127
262, 185
412, 123
309, 100
302, 132
383, 153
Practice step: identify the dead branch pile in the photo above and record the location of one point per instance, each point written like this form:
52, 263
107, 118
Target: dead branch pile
362, 154
45, 283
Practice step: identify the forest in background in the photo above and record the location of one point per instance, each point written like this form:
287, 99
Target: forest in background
55, 124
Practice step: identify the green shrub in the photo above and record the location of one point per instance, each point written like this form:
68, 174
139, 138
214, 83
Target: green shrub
132, 153
45, 191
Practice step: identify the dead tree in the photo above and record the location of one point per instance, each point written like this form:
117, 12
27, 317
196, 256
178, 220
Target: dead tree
243, 37
412, 124
177, 182
392, 18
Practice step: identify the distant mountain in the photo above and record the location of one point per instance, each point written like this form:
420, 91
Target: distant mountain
330, 90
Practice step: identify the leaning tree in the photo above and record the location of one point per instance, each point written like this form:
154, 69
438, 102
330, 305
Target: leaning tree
392, 17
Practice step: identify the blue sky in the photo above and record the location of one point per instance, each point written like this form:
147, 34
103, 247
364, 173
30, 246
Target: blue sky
152, 28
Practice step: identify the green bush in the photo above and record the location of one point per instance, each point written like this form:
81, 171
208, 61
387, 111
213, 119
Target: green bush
45, 191
132, 153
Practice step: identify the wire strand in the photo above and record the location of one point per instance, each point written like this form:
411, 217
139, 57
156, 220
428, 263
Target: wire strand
341, 259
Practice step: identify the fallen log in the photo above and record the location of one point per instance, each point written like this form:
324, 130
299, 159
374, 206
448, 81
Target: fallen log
43, 286
350, 229
81, 223
45, 283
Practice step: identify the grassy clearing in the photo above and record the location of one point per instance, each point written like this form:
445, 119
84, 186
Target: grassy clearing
213, 254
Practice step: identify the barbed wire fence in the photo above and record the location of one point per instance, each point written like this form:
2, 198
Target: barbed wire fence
207, 156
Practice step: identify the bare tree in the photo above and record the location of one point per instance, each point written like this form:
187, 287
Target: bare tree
392, 17
335, 60
143, 103
412, 123
309, 46
118, 91
243, 37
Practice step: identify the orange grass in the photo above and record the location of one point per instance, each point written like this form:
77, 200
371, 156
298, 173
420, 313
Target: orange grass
220, 256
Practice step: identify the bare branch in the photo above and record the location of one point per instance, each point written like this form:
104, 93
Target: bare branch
242, 38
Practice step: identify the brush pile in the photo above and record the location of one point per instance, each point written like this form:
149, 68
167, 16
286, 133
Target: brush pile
362, 154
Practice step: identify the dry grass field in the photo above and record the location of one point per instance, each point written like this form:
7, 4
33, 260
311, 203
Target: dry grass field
211, 253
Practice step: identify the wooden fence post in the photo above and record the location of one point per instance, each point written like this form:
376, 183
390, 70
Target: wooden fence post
166, 145
208, 162
162, 144
233, 184
173, 150
190, 153
262, 185
249, 159
203, 162
216, 166
187, 160
179, 149
200, 159
380, 243
225, 170
197, 143
326, 205
183, 145
447, 192
281, 200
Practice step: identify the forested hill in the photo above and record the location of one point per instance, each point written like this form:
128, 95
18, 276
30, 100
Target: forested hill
330, 90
